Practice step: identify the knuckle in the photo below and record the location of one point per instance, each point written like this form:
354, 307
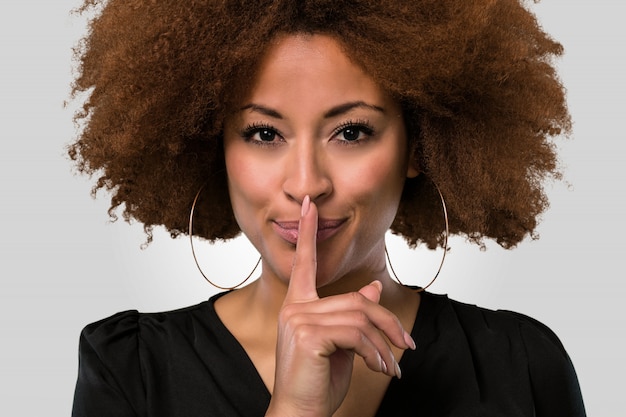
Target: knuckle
303, 334
397, 323
360, 319
393, 325
356, 335
293, 321
286, 315
357, 299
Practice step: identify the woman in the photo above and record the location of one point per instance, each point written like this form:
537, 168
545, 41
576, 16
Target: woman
313, 127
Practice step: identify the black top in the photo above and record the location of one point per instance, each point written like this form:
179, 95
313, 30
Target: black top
469, 362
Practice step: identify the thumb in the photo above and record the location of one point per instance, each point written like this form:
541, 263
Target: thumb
372, 291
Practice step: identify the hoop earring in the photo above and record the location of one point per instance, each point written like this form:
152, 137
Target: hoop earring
445, 248
193, 252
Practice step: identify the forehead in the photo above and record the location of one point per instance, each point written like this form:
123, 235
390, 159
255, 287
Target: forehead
304, 68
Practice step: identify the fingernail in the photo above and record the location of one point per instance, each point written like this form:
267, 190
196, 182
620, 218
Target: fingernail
306, 204
409, 341
383, 365
378, 285
398, 371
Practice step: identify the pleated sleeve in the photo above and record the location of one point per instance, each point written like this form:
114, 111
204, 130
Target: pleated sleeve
110, 382
553, 380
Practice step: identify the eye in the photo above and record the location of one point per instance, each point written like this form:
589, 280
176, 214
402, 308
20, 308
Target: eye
350, 134
354, 132
266, 135
260, 134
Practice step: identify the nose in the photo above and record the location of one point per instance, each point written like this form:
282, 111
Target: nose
307, 173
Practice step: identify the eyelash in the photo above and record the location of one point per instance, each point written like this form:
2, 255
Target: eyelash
254, 128
363, 126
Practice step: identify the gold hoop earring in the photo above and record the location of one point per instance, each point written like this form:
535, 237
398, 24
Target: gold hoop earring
193, 252
445, 248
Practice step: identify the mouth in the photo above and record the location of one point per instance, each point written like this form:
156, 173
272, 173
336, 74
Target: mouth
326, 228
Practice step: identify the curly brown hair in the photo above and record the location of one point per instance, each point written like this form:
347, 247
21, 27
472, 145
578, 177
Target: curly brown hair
475, 79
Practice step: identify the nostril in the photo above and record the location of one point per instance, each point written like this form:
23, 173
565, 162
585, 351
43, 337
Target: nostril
317, 192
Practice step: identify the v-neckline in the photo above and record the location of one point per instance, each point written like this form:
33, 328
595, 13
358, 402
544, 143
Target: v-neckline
238, 352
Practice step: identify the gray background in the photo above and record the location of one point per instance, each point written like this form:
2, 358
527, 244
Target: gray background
63, 265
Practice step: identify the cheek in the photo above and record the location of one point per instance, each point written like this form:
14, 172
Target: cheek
249, 183
376, 183
240, 184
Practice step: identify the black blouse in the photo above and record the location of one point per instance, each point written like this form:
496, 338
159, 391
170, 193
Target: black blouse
469, 362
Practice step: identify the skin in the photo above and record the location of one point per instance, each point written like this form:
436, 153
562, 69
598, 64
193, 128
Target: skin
316, 161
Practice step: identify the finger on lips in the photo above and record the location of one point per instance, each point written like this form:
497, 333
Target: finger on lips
352, 321
302, 284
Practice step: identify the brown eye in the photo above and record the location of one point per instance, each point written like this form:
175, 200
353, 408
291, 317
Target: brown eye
351, 134
266, 135
354, 132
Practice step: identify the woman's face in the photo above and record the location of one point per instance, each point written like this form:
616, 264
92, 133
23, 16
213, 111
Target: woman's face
315, 124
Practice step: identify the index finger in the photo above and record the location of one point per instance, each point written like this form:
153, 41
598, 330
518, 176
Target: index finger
302, 284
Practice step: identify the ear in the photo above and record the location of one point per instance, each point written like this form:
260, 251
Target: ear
412, 171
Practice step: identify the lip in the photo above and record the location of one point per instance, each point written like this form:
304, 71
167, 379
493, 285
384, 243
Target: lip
326, 228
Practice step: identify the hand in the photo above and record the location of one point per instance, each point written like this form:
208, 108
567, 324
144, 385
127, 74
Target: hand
318, 338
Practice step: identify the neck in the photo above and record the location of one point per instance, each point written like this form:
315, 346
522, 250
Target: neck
266, 295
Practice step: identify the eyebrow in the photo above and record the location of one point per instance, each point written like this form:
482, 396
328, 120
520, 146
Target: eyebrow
334, 112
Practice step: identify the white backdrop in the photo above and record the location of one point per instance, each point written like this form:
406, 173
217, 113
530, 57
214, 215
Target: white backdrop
63, 265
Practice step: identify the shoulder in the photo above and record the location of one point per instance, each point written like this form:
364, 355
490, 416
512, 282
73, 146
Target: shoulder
533, 333
119, 356
121, 325
124, 340
123, 329
486, 324
503, 338
481, 317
